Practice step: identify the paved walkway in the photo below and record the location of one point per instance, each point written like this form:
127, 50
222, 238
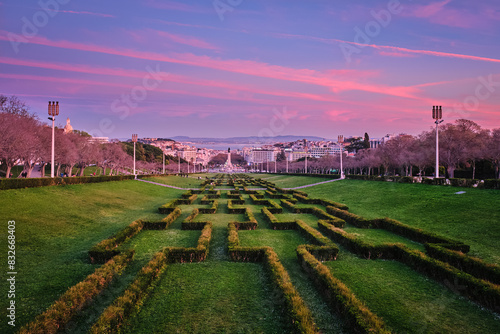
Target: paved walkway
179, 188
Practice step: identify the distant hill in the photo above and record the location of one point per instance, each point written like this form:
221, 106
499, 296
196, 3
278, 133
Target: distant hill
246, 140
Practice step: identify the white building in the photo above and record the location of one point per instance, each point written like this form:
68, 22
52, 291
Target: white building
260, 155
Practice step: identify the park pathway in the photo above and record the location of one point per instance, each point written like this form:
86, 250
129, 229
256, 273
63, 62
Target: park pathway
300, 187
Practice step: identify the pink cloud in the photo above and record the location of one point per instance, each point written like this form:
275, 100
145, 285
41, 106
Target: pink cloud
85, 13
396, 54
440, 13
247, 67
187, 40
173, 5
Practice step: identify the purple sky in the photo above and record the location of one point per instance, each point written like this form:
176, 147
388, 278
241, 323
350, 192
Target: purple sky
253, 67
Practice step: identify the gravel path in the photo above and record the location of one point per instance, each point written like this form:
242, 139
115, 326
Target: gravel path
300, 187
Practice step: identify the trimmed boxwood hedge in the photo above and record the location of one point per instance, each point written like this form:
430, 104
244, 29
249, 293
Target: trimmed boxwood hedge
77, 297
418, 235
478, 290
115, 315
358, 317
299, 314
108, 248
165, 222
16, 183
471, 265
349, 217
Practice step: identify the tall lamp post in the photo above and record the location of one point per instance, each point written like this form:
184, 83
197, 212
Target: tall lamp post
341, 141
53, 111
437, 115
163, 161
305, 159
179, 160
286, 158
134, 140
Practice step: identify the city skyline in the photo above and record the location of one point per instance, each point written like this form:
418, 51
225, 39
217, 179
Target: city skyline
253, 68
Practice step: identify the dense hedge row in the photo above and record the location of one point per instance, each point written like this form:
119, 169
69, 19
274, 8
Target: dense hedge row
320, 201
77, 297
113, 317
212, 209
192, 254
299, 314
418, 235
349, 217
478, 290
17, 183
170, 206
108, 248
455, 182
357, 316
468, 264
233, 210
165, 222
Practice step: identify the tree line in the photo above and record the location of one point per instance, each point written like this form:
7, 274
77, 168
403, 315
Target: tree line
26, 140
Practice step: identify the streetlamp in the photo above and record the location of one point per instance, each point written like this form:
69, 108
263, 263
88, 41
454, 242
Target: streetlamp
179, 160
163, 161
53, 111
286, 158
134, 140
305, 159
275, 163
437, 115
341, 141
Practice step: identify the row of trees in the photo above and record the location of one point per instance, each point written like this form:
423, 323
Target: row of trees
25, 139
462, 145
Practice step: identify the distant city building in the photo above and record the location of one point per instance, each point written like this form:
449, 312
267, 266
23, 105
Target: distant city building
188, 155
318, 152
100, 140
257, 155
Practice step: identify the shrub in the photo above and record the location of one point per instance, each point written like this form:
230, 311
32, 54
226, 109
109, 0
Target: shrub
78, 296
212, 209
113, 317
108, 248
192, 254
232, 210
417, 234
165, 222
358, 317
47, 181
349, 217
471, 265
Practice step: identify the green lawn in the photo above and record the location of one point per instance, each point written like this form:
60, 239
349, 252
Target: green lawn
56, 226
179, 181
472, 217
408, 301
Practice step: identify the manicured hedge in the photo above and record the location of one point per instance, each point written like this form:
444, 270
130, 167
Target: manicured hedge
232, 210
478, 290
77, 297
418, 235
212, 209
16, 183
165, 222
354, 244
357, 316
471, 265
108, 248
300, 316
113, 317
192, 254
349, 217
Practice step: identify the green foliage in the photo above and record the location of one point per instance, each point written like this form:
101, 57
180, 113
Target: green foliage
77, 297
165, 222
113, 317
108, 248
46, 181
358, 317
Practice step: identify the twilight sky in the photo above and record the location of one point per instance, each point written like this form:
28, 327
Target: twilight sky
222, 68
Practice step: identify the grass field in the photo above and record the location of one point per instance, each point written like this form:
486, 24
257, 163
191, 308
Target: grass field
56, 226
